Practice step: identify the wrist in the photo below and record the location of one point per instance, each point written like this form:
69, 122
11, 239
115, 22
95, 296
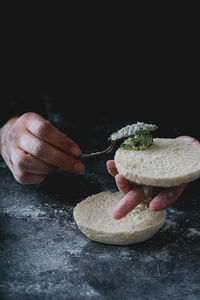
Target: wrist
4, 129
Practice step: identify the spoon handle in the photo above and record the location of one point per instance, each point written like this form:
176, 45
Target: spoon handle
108, 150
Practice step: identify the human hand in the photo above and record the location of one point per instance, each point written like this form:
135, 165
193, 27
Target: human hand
32, 148
134, 194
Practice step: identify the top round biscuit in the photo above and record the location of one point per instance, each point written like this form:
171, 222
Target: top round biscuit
168, 162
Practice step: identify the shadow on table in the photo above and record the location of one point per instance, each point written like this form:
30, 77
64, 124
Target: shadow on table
75, 187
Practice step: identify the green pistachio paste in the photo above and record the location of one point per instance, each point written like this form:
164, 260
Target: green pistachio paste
140, 141
138, 136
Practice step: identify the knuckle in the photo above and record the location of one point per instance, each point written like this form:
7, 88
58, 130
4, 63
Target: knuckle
21, 177
11, 136
37, 124
28, 115
41, 127
21, 162
38, 150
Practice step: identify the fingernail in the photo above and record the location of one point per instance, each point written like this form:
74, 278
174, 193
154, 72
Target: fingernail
75, 151
78, 167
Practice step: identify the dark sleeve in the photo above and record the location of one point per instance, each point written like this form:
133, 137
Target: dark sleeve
20, 101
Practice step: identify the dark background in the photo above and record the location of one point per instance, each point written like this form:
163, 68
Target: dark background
173, 106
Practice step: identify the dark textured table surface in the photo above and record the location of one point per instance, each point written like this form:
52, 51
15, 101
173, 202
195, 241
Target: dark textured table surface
43, 255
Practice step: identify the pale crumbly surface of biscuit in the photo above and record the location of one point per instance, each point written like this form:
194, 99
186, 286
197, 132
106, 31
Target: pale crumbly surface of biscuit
94, 217
168, 162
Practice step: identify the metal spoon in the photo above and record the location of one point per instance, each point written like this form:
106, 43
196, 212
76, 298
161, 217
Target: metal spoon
107, 150
124, 132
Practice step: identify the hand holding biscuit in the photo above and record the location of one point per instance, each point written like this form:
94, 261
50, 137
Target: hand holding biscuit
135, 193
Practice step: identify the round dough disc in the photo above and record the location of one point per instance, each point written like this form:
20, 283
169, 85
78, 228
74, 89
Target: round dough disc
94, 217
168, 162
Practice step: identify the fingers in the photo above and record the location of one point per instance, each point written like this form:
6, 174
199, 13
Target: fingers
189, 139
167, 197
134, 194
129, 202
45, 131
33, 148
27, 178
111, 167
24, 177
122, 183
27, 169
49, 154
30, 164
